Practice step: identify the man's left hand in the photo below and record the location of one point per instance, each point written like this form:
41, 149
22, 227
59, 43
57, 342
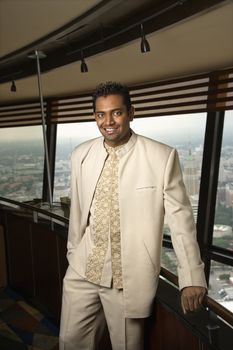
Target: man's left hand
192, 298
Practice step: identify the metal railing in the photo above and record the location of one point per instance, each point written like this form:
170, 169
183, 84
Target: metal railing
209, 303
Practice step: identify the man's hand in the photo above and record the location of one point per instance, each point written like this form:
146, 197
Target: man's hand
192, 298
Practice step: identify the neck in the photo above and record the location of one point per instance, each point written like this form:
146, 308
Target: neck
121, 143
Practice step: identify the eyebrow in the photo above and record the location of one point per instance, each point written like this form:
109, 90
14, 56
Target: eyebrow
111, 110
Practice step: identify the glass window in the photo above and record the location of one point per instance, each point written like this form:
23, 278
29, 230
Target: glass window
185, 133
21, 163
223, 234
169, 260
221, 284
68, 137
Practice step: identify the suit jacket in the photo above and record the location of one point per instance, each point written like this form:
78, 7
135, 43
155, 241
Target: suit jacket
150, 185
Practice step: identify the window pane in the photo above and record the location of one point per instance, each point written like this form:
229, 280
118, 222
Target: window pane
21, 163
68, 137
185, 133
223, 236
221, 284
169, 260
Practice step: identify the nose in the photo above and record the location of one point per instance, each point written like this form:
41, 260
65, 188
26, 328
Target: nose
109, 120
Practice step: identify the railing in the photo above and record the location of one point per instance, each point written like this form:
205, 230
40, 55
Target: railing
52, 215
209, 303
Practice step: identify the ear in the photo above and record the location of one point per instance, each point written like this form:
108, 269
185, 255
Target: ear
131, 113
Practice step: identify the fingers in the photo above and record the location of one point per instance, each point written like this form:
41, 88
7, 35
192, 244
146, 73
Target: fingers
197, 302
192, 298
188, 303
201, 298
183, 306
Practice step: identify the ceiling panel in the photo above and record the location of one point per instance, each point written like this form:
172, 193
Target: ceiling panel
24, 21
198, 44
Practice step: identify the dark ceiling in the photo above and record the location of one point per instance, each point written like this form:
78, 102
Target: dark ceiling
107, 25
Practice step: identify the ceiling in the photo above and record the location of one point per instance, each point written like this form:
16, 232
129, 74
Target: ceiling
191, 43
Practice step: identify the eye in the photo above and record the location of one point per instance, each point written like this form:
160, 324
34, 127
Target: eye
117, 113
99, 115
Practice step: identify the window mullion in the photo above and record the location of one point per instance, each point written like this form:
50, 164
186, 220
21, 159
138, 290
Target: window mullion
209, 183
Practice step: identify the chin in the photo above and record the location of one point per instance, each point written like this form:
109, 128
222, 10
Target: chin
111, 138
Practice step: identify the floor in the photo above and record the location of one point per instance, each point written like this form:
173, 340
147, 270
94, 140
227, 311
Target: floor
22, 327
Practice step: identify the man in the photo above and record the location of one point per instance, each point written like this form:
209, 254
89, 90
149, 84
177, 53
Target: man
122, 185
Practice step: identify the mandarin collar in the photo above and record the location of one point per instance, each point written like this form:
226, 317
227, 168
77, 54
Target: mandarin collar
123, 149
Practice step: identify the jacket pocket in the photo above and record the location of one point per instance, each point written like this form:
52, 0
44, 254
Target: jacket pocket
146, 188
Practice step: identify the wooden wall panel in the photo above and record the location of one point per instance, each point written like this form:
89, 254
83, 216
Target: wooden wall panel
36, 258
3, 273
45, 261
62, 250
164, 331
20, 269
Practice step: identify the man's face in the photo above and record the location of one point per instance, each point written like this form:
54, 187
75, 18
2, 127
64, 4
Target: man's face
113, 119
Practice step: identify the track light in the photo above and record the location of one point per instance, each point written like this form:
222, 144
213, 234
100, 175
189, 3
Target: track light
84, 68
13, 86
145, 46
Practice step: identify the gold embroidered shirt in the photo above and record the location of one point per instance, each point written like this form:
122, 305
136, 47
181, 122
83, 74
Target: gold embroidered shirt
99, 260
105, 223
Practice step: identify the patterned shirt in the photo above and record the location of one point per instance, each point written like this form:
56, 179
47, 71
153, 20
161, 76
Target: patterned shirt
101, 242
105, 222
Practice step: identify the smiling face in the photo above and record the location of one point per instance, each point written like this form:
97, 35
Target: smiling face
113, 119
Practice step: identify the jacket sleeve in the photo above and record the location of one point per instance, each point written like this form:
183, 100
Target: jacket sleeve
75, 211
180, 219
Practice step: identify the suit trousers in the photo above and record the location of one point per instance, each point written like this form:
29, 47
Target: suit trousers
86, 307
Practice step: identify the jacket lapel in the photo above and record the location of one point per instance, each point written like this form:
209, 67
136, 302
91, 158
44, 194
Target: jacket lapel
92, 170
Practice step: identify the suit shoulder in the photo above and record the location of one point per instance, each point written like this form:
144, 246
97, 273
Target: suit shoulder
81, 150
154, 144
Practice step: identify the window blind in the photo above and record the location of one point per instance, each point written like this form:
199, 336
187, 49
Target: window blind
21, 114
194, 94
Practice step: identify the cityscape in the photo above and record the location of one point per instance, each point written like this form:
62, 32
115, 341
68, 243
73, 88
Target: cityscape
21, 174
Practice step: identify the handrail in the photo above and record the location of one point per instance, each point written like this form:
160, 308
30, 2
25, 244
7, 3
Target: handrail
210, 303
217, 308
35, 208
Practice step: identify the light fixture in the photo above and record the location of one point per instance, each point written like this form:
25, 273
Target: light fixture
84, 68
13, 86
145, 46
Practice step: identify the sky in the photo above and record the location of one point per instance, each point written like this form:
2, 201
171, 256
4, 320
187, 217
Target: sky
183, 128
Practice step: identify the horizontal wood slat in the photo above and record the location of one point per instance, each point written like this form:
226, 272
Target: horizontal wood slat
21, 115
194, 94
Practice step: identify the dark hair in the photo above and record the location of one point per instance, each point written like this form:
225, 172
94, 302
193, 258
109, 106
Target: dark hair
112, 88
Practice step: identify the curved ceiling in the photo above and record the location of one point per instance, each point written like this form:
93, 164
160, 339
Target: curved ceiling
197, 43
24, 21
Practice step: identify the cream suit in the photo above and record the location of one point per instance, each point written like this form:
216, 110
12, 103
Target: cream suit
150, 185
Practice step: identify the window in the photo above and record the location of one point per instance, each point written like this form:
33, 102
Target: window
186, 134
169, 260
221, 284
68, 137
21, 163
187, 137
223, 234
221, 275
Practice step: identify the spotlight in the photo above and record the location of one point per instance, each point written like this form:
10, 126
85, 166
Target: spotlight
84, 68
13, 86
145, 46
